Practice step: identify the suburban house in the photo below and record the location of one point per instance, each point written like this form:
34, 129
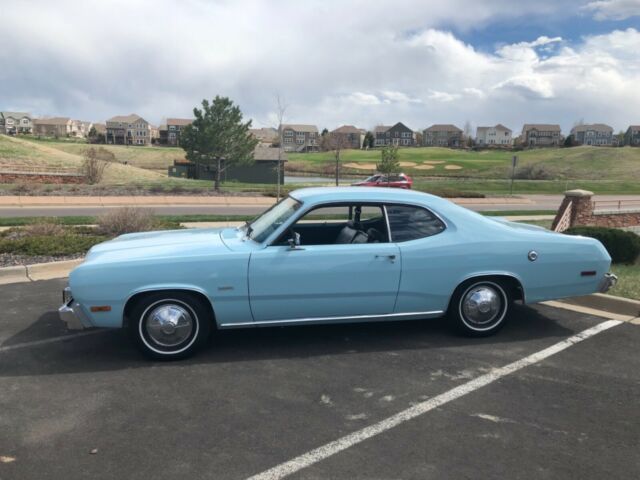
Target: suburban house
493, 136
632, 136
398, 134
300, 138
441, 135
541, 135
348, 136
101, 128
15, 122
53, 127
128, 130
595, 134
266, 136
169, 133
264, 168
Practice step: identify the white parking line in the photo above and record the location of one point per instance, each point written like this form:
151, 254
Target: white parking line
61, 338
325, 451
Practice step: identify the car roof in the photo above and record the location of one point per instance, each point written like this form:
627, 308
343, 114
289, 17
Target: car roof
365, 194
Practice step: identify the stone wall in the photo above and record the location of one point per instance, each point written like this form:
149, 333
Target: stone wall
13, 177
583, 214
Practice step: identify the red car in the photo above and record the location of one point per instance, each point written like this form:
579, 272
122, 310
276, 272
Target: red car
395, 181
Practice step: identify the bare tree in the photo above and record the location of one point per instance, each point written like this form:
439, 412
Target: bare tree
467, 138
93, 166
281, 107
335, 142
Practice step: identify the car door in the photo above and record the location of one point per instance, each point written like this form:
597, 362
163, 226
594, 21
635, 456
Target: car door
324, 281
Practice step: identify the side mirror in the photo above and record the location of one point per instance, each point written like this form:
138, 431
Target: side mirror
294, 241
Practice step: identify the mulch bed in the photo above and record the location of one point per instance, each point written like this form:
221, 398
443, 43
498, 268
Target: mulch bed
10, 260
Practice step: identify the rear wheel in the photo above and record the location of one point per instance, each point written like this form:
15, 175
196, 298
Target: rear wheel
480, 307
170, 325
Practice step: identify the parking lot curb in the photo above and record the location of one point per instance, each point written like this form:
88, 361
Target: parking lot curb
37, 271
15, 274
607, 303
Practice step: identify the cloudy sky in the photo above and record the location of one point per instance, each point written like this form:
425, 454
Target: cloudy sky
334, 62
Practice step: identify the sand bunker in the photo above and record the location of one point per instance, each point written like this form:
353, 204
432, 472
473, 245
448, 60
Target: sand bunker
453, 167
425, 167
361, 166
408, 164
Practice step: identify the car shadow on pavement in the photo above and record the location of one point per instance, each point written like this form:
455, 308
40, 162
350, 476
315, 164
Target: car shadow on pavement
112, 350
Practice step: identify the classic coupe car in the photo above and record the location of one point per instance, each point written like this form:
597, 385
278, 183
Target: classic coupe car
326, 255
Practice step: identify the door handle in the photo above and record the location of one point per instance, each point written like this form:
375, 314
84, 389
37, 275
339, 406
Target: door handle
390, 257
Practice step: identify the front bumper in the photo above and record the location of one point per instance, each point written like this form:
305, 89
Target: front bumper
608, 282
71, 313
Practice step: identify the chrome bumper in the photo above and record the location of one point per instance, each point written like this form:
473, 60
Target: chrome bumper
608, 282
71, 313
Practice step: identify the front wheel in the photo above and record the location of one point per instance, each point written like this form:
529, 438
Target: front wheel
479, 307
170, 325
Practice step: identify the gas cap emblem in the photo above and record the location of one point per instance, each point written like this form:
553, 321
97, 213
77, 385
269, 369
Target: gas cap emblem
532, 255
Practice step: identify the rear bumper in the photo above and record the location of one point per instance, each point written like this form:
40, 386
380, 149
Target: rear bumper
607, 282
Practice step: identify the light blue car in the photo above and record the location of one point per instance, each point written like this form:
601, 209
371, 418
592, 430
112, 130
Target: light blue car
327, 255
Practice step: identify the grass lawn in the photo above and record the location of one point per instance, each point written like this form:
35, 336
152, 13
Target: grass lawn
628, 281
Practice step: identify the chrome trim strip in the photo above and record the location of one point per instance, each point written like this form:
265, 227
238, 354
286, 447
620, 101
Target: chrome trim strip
324, 319
386, 219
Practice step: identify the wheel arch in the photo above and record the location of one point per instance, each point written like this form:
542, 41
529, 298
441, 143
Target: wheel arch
141, 293
513, 282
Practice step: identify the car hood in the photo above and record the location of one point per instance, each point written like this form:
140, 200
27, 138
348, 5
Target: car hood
168, 243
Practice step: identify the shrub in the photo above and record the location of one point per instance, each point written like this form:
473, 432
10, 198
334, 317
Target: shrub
94, 164
68, 244
126, 220
533, 172
624, 247
43, 227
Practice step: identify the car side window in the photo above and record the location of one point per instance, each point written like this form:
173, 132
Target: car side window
408, 222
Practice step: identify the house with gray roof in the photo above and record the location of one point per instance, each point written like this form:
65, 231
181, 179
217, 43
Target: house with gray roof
15, 122
632, 136
398, 134
541, 135
442, 135
594, 134
128, 130
348, 136
299, 138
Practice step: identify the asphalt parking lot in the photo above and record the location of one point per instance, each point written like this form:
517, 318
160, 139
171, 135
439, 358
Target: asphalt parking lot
89, 406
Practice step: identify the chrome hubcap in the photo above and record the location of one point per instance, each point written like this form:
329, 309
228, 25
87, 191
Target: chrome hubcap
169, 325
481, 305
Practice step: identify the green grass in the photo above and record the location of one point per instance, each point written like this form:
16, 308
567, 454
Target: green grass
628, 281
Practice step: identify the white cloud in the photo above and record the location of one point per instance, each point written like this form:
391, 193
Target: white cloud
613, 9
333, 62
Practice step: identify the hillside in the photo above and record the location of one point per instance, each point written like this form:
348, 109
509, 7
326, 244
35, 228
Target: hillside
16, 153
584, 163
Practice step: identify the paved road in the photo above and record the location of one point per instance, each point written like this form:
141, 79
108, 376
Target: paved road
258, 398
531, 202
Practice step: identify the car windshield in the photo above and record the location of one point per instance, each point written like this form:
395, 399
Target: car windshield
264, 225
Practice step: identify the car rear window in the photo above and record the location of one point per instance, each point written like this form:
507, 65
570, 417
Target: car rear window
408, 222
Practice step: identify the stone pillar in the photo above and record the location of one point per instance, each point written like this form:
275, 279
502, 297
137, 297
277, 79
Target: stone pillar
581, 208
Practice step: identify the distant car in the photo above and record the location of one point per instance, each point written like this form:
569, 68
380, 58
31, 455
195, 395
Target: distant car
328, 255
394, 181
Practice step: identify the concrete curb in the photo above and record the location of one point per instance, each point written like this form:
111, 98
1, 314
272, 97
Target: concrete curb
15, 274
46, 271
607, 303
37, 271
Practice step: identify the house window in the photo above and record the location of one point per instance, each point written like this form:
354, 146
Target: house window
300, 140
288, 133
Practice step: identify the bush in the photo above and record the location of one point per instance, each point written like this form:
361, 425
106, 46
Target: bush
126, 220
44, 227
68, 244
624, 247
96, 161
533, 172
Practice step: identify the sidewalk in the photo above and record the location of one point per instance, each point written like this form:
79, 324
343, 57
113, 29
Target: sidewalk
148, 201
